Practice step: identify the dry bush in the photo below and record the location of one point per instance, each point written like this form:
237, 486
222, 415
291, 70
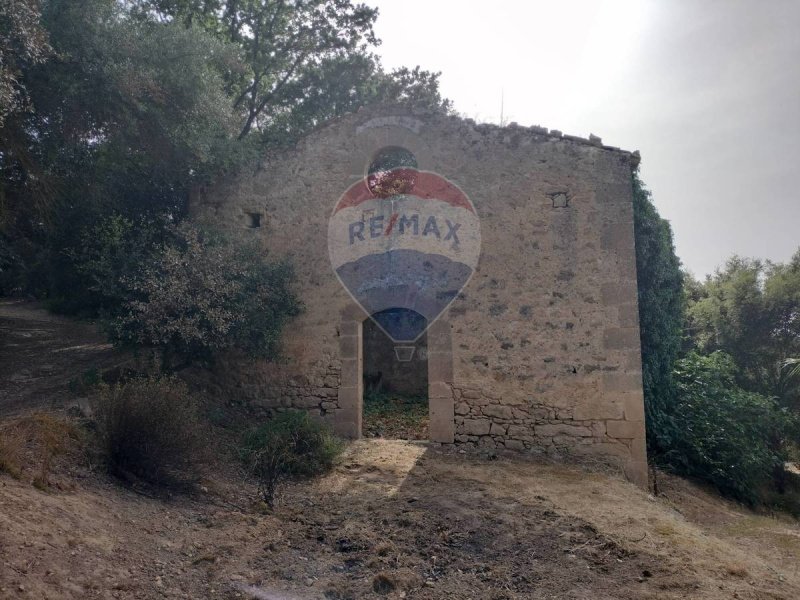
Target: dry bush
30, 443
149, 428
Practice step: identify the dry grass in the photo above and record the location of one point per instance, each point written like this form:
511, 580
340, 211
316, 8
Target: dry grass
29, 444
149, 429
402, 518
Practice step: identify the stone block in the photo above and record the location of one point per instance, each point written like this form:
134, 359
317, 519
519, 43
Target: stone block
618, 292
476, 426
598, 429
639, 448
441, 425
353, 312
346, 424
440, 337
349, 346
520, 432
439, 389
498, 411
351, 372
621, 338
350, 328
440, 366
622, 382
612, 449
562, 429
497, 429
599, 407
636, 473
350, 399
625, 429
617, 236
634, 406
628, 315
515, 445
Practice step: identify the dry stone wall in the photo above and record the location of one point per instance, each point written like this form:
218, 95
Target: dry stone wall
539, 352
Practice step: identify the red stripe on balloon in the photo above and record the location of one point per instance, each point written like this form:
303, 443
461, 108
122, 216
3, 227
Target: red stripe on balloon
428, 186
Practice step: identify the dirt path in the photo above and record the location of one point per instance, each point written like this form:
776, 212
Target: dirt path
40, 353
397, 520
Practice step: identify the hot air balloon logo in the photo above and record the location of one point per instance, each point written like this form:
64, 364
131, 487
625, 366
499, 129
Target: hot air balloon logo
404, 242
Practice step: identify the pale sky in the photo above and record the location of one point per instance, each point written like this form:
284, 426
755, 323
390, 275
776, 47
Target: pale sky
707, 90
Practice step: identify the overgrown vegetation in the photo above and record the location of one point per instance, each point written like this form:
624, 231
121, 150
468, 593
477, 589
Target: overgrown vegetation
736, 440
661, 307
721, 391
289, 446
395, 416
148, 427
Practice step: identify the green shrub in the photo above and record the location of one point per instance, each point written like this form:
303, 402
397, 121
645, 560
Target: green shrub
96, 265
289, 446
204, 293
148, 427
734, 439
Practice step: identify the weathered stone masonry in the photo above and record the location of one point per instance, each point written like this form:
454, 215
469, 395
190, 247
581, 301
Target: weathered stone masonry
540, 351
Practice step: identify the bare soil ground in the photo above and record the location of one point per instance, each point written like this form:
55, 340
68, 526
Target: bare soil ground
40, 353
395, 519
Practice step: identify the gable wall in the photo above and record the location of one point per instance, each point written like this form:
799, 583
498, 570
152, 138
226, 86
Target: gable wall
541, 349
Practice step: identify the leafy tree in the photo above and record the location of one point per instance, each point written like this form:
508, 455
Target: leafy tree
126, 117
307, 61
282, 41
661, 306
141, 101
750, 309
23, 43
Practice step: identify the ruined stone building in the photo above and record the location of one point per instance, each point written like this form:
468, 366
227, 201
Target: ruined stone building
538, 351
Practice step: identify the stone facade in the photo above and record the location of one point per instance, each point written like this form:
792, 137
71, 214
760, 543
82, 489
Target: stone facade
539, 352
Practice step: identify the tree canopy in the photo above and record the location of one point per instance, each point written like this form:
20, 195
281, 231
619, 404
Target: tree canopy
750, 309
122, 108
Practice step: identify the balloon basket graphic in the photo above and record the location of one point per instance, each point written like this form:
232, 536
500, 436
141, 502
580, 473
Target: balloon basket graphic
404, 353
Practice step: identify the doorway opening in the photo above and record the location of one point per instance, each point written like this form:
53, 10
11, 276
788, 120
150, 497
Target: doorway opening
395, 375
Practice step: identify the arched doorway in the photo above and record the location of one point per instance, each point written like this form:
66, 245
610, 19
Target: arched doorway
441, 410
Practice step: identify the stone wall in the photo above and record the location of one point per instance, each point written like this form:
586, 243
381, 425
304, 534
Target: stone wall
539, 352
